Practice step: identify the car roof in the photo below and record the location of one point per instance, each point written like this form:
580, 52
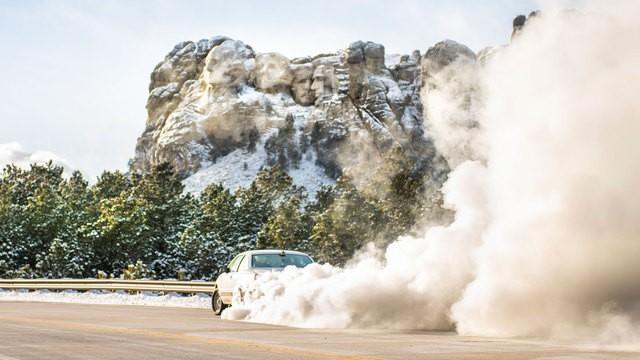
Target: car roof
273, 251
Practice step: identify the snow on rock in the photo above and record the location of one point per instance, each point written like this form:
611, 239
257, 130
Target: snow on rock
234, 170
218, 112
309, 175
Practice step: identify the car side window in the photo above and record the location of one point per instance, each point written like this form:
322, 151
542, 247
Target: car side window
244, 264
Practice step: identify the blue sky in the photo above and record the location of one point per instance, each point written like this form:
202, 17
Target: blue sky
75, 73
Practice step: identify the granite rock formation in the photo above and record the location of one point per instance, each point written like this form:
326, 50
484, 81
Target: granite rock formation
219, 111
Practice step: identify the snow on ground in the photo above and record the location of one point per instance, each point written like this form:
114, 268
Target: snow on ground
239, 167
200, 301
310, 175
234, 170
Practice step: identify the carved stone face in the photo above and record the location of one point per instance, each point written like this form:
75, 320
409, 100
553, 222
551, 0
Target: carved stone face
301, 86
324, 82
226, 64
272, 72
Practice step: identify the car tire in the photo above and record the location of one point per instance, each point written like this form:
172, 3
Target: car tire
216, 304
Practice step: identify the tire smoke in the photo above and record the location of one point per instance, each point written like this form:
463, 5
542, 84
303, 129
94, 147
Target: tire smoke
546, 236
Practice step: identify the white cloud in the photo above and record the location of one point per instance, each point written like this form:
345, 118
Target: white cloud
14, 153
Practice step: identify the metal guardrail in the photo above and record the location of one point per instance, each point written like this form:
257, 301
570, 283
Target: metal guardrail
110, 284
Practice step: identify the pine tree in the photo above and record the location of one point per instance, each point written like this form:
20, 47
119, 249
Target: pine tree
162, 190
31, 216
346, 225
142, 222
287, 228
257, 202
110, 184
71, 253
209, 241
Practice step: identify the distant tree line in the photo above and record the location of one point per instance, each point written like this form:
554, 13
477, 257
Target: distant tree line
146, 225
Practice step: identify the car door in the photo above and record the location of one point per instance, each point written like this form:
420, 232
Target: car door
245, 273
226, 281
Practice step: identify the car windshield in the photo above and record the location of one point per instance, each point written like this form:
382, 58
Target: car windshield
280, 260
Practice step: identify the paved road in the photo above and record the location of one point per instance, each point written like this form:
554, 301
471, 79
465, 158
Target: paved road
72, 331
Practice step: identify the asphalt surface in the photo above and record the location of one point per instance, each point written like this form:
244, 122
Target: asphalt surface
73, 331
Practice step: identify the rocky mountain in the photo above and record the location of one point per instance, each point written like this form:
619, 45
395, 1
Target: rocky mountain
218, 111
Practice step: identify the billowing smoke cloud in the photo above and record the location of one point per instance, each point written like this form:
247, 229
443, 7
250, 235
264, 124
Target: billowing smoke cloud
14, 153
562, 248
410, 285
452, 99
546, 237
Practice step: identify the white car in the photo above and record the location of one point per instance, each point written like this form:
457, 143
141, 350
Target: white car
246, 266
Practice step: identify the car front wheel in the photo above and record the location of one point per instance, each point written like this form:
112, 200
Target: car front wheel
216, 303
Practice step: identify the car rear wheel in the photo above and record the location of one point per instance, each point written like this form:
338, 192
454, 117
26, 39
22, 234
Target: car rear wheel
216, 304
